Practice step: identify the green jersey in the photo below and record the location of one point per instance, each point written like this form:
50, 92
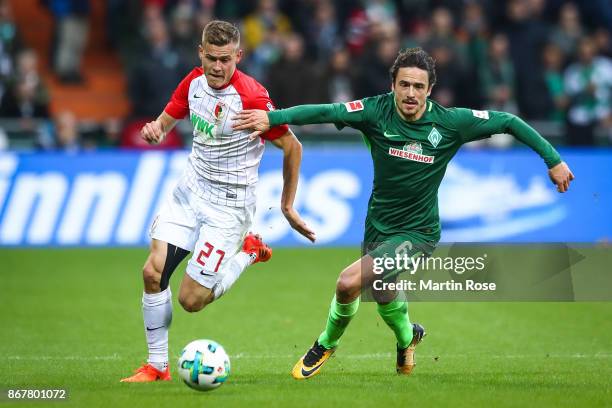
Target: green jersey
410, 158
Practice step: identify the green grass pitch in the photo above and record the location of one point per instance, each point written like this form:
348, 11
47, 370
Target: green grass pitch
72, 319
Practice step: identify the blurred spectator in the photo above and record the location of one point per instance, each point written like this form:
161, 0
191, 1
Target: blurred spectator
442, 35
474, 33
185, 38
454, 73
527, 37
10, 43
228, 10
375, 63
339, 78
381, 11
111, 133
497, 76
204, 13
157, 72
292, 80
21, 101
26, 96
357, 31
70, 37
257, 61
553, 73
322, 31
537, 8
602, 39
116, 13
64, 133
369, 24
451, 77
568, 30
263, 32
27, 69
588, 83
267, 18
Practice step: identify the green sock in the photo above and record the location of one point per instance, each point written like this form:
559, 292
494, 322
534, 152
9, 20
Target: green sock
395, 314
340, 315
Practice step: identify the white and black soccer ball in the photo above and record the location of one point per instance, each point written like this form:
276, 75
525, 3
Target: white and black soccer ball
204, 365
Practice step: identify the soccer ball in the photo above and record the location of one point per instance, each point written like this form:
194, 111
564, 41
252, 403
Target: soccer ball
204, 365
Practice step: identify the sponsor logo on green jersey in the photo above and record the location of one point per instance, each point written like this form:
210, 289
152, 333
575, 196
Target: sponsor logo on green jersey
411, 151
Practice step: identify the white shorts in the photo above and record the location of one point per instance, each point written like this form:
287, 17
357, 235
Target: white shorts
213, 232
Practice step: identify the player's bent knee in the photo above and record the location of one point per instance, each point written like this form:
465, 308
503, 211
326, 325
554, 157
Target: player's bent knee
192, 304
348, 284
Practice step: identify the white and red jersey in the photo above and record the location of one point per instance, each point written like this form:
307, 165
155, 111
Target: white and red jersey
223, 163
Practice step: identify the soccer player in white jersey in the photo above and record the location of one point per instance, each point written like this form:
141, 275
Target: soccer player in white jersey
211, 209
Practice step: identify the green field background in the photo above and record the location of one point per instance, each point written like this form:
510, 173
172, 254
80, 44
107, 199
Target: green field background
72, 319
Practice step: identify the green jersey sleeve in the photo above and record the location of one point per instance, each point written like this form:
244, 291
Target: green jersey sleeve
352, 114
474, 125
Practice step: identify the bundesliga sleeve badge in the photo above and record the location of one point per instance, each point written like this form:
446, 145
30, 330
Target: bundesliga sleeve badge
482, 114
354, 106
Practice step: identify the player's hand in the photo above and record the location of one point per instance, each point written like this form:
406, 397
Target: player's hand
152, 132
298, 224
561, 175
253, 119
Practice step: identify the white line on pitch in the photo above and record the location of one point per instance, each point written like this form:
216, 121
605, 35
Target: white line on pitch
65, 358
349, 356
389, 355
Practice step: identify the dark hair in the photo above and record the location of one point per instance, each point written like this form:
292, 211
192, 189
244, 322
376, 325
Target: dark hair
414, 57
220, 33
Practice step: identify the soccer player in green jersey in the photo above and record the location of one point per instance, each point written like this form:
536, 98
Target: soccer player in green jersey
411, 139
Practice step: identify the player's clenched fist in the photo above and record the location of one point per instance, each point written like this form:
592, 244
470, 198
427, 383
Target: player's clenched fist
152, 132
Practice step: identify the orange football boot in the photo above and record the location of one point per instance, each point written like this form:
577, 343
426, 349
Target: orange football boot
255, 247
148, 373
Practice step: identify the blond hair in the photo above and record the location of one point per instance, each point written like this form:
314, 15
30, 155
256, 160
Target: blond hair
220, 33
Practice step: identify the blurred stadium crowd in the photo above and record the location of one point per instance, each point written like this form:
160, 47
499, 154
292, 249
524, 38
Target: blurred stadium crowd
549, 61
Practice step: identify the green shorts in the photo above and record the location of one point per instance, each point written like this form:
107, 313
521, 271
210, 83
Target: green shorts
376, 243
403, 247
379, 245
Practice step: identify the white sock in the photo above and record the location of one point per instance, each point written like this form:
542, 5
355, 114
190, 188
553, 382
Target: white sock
157, 314
231, 272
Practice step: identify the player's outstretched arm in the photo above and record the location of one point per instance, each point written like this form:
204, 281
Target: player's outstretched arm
475, 125
154, 132
292, 150
558, 171
259, 120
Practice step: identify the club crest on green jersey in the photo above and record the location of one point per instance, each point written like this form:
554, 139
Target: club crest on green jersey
434, 137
